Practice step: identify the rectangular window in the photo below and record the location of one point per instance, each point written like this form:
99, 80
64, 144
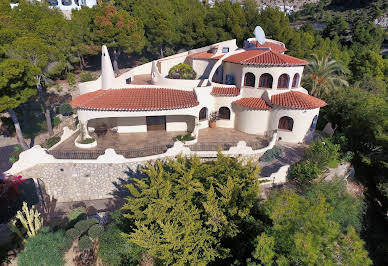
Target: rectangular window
225, 50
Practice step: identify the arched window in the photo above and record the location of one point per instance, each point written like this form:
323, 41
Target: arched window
265, 81
249, 80
295, 81
286, 123
203, 113
224, 113
283, 81
314, 122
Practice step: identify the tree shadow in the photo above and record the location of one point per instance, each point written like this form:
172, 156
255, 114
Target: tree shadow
121, 192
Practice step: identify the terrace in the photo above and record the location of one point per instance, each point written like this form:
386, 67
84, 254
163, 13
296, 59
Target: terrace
132, 145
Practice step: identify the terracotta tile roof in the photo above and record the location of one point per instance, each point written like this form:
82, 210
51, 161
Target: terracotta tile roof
273, 46
225, 91
201, 55
136, 99
265, 58
205, 55
255, 103
296, 99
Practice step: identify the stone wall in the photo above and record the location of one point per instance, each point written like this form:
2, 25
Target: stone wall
67, 182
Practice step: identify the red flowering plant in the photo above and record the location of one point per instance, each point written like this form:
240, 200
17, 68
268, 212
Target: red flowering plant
9, 188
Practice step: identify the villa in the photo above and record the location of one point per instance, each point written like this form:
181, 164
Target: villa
255, 90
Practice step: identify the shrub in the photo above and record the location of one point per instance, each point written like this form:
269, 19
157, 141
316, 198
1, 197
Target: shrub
304, 172
271, 154
86, 76
65, 109
52, 141
85, 243
92, 221
182, 71
56, 121
17, 149
87, 141
70, 78
115, 250
72, 233
76, 215
322, 152
82, 226
44, 249
95, 231
185, 138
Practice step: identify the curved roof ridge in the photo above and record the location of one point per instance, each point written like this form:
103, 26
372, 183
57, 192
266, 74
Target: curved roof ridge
297, 99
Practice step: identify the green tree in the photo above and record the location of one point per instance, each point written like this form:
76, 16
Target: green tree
17, 85
185, 211
118, 30
40, 56
323, 76
368, 64
336, 28
301, 233
226, 20
347, 210
159, 23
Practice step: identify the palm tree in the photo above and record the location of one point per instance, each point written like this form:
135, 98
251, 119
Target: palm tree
324, 75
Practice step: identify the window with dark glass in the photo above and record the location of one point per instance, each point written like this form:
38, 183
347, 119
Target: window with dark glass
295, 80
283, 81
230, 80
249, 79
286, 123
225, 50
265, 81
224, 113
203, 113
66, 2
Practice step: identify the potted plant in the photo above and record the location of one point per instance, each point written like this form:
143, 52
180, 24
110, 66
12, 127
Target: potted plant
213, 117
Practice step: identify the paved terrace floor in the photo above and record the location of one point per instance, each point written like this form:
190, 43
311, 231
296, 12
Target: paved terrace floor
152, 142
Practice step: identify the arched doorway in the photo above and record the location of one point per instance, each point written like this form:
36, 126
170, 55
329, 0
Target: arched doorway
265, 81
283, 81
203, 114
249, 80
224, 113
286, 123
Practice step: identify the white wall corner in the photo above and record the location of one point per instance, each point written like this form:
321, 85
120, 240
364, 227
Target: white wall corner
110, 156
107, 73
178, 148
67, 133
29, 158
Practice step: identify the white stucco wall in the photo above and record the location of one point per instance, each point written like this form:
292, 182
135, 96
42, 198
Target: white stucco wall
225, 102
302, 122
180, 123
202, 67
251, 121
239, 72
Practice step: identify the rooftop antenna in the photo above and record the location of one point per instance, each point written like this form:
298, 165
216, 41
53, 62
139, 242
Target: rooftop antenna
259, 35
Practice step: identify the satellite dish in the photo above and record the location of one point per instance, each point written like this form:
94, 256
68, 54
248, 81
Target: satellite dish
259, 35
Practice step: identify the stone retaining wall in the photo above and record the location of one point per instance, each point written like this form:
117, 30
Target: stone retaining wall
80, 180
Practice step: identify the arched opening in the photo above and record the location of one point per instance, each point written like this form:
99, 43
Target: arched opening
286, 123
265, 81
295, 81
203, 114
314, 122
283, 81
249, 80
224, 113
